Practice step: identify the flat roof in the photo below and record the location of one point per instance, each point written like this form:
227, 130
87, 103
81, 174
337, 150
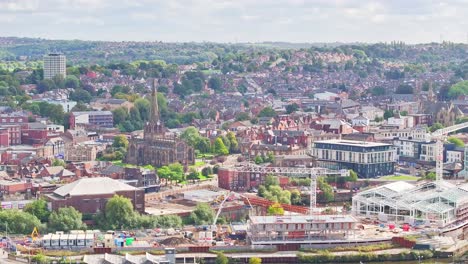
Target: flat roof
302, 219
353, 143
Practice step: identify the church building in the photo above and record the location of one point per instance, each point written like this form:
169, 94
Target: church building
158, 147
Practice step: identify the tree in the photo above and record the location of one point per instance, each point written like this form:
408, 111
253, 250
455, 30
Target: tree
165, 173
80, 107
296, 198
458, 142
81, 95
233, 144
177, 172
242, 116
191, 136
46, 85
270, 157
219, 148
267, 112
193, 175
119, 212
275, 209
214, 83
39, 209
326, 188
120, 141
378, 90
66, 219
388, 114
460, 88
59, 162
292, 108
167, 221
404, 89
72, 82
207, 171
431, 176
143, 106
271, 180
203, 214
426, 86
435, 127
353, 177
19, 222
258, 159
221, 259
204, 145
255, 260
120, 89
120, 115
40, 259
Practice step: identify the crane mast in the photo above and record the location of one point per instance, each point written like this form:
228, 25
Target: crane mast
439, 136
312, 173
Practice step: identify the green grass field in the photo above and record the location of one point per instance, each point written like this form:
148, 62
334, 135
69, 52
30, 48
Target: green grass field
400, 178
208, 72
121, 164
204, 155
126, 165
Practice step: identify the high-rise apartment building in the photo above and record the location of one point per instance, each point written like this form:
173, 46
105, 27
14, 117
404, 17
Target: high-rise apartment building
54, 64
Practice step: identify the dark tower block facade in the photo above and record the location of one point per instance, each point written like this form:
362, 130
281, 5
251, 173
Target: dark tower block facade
158, 147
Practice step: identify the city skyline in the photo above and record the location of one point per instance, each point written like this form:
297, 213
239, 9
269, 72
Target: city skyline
237, 21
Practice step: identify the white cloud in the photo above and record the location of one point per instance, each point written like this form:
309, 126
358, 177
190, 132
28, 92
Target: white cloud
245, 20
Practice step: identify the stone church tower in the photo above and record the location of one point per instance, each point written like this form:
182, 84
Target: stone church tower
158, 147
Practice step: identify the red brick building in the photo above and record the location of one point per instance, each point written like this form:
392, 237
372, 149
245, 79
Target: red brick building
4, 138
12, 187
90, 195
13, 119
233, 180
34, 136
13, 132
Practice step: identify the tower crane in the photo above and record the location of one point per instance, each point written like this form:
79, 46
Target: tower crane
312, 173
440, 136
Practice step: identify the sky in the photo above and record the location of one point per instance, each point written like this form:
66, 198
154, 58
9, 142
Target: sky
411, 21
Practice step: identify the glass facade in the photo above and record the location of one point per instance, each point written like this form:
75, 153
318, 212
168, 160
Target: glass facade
368, 161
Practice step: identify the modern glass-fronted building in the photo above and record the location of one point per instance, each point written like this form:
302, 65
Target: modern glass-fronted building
368, 159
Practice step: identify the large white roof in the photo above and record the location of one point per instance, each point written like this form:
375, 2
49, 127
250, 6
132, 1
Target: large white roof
93, 186
399, 186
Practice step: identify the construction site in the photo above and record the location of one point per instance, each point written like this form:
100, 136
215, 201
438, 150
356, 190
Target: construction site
439, 204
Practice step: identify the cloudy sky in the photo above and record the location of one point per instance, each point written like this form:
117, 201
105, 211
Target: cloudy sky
412, 21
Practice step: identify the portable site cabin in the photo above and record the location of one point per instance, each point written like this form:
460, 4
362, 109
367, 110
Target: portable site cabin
46, 240
63, 241
109, 241
89, 239
72, 240
80, 240
55, 241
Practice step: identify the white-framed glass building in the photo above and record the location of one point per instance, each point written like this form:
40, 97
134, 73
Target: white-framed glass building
430, 203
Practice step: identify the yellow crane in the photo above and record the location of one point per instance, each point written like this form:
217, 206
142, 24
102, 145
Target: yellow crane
34, 234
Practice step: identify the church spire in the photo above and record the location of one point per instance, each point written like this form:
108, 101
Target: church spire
154, 104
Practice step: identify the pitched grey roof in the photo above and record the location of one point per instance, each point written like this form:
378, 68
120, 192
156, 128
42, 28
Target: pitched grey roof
93, 186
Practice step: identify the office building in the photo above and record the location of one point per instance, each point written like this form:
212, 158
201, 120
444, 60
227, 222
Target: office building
91, 119
367, 159
54, 64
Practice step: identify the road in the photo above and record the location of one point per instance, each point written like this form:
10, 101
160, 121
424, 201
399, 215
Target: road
4, 258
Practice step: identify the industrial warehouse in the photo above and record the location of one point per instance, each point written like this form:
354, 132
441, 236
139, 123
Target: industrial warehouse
438, 203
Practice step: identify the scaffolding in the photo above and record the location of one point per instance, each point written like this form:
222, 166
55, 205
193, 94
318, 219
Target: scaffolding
432, 203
